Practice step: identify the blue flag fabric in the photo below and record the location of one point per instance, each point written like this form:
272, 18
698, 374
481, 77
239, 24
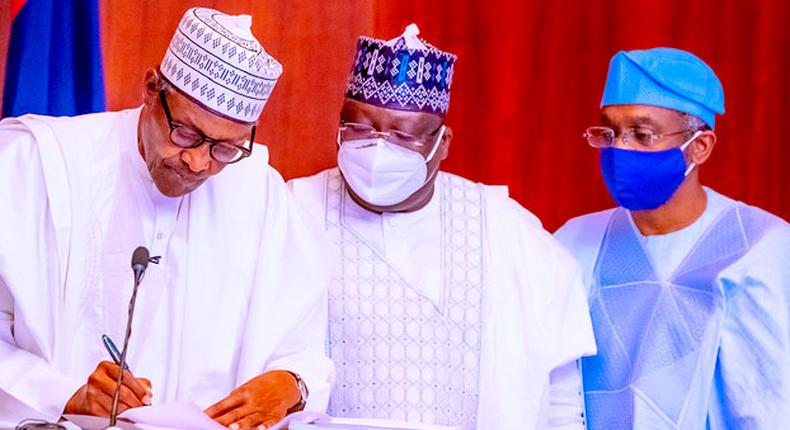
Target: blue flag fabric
54, 62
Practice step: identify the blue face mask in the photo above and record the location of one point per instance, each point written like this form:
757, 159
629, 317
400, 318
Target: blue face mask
643, 180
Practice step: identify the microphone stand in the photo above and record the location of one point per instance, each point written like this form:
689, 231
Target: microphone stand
140, 261
119, 381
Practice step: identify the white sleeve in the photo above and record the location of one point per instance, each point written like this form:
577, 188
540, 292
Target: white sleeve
566, 402
305, 355
28, 275
312, 363
293, 290
574, 335
569, 335
539, 326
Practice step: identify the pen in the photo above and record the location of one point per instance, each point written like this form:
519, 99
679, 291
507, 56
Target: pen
113, 350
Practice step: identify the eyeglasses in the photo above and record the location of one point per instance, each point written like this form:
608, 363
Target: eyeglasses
355, 131
32, 424
188, 138
604, 137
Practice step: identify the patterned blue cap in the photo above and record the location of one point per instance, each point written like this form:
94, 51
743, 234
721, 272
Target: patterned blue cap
665, 77
405, 73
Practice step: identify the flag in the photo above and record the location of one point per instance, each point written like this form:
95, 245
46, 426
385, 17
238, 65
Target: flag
54, 64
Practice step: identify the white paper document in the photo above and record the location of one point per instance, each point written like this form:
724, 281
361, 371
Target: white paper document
171, 416
176, 416
189, 416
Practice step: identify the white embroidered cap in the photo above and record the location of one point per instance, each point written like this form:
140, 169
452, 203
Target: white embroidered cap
215, 60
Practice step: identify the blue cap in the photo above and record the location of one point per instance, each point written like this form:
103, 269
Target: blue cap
664, 77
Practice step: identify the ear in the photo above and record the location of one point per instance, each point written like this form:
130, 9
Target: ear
444, 147
702, 147
151, 87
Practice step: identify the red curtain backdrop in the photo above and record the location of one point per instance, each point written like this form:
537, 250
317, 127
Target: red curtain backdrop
528, 82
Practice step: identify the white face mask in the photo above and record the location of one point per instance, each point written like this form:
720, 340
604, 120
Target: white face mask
383, 173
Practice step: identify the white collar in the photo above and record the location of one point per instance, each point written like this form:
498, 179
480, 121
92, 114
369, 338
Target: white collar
405, 240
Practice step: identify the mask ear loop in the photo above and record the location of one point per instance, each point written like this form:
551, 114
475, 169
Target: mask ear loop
433, 152
683, 147
436, 144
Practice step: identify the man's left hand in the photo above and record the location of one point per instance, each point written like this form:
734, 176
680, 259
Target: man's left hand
263, 400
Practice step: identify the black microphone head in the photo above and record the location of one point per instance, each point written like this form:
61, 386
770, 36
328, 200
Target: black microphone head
140, 258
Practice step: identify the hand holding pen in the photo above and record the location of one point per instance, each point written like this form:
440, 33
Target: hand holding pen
95, 397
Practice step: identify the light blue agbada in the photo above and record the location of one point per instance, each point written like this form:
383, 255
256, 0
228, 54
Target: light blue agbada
692, 327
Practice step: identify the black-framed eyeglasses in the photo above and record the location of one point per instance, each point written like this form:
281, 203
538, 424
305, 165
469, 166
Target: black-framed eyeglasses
186, 137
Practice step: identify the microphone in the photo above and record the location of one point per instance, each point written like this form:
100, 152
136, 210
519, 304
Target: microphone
139, 263
140, 259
